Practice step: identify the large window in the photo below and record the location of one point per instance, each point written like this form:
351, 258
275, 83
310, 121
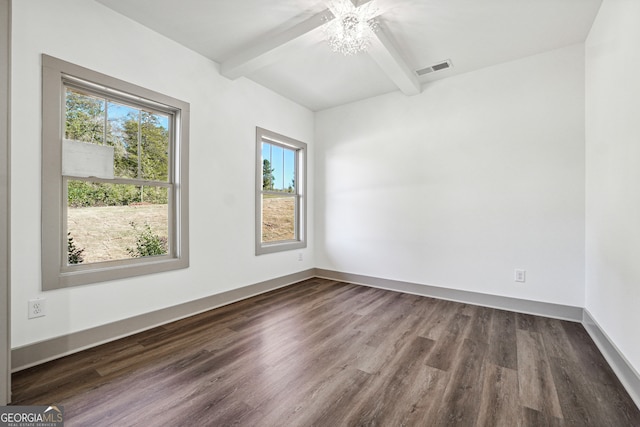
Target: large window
114, 189
280, 192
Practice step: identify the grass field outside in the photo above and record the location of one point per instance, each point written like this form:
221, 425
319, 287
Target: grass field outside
105, 233
278, 218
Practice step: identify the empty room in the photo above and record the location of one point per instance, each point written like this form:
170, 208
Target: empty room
320, 212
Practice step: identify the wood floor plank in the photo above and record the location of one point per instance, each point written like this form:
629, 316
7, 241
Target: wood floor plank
532, 418
378, 405
536, 385
313, 360
328, 344
327, 353
373, 359
579, 405
424, 397
556, 341
526, 322
460, 403
180, 343
502, 340
152, 386
381, 324
588, 402
499, 406
480, 324
65, 387
436, 324
301, 403
447, 347
619, 405
588, 355
375, 300
335, 402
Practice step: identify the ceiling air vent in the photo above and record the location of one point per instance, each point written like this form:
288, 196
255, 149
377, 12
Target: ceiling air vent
435, 67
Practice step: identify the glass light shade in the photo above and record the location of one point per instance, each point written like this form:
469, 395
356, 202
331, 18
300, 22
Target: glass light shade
350, 31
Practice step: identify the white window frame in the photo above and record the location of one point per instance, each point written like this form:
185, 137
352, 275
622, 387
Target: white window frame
300, 241
56, 273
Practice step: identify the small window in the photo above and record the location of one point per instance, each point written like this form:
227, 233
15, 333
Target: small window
280, 193
114, 190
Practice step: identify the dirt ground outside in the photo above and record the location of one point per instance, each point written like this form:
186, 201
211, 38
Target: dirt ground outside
278, 218
105, 233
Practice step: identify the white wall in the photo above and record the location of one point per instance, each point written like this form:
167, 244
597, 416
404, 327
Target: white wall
613, 174
224, 114
480, 174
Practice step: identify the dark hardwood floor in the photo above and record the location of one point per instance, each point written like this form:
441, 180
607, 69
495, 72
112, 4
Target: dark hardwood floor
326, 353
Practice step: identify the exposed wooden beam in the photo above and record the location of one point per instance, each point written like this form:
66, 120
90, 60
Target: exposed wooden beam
387, 56
268, 51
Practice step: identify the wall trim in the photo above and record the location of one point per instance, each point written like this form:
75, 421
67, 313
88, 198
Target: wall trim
628, 376
43, 351
546, 309
5, 201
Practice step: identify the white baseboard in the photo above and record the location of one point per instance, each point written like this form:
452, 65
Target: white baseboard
43, 351
556, 311
627, 375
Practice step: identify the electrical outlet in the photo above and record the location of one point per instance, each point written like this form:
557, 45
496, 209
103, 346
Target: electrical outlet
37, 308
300, 256
520, 275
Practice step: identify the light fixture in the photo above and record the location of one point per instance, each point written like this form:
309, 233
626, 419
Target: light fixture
350, 31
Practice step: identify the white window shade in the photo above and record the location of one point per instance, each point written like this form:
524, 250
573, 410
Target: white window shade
82, 159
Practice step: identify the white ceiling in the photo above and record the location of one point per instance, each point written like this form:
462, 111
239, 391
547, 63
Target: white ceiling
276, 42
